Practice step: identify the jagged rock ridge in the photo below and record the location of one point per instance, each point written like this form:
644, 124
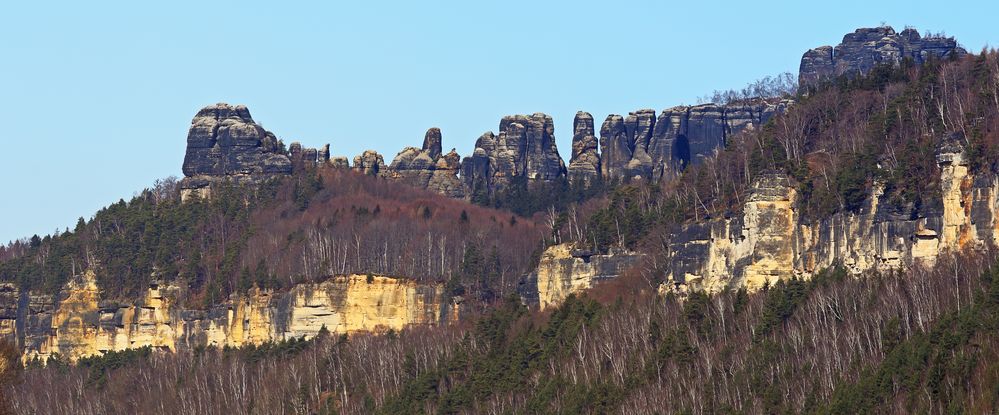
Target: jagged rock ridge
862, 50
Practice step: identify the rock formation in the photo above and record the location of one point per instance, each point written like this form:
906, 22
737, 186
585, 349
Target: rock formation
564, 270
645, 147
369, 162
308, 157
862, 50
524, 148
768, 241
584, 166
78, 323
224, 141
427, 168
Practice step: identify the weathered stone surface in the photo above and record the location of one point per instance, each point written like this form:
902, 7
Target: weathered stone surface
865, 48
615, 147
432, 143
370, 163
80, 324
224, 143
427, 168
584, 165
524, 148
9, 295
445, 178
339, 162
308, 157
641, 146
564, 270
768, 242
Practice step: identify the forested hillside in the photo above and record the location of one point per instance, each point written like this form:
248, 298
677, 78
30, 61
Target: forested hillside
904, 343
301, 228
913, 330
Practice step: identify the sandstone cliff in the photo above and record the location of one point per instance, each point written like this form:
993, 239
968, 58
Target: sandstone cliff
865, 48
524, 148
642, 146
224, 143
769, 241
79, 323
564, 270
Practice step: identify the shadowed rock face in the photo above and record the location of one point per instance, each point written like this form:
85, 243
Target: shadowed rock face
427, 168
643, 146
525, 147
224, 140
225, 143
584, 166
865, 48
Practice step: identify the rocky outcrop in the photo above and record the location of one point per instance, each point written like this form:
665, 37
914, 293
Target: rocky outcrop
427, 168
369, 162
9, 295
584, 165
308, 157
78, 323
524, 148
768, 241
865, 48
564, 270
642, 146
225, 142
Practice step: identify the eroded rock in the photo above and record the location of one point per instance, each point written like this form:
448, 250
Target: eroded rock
865, 48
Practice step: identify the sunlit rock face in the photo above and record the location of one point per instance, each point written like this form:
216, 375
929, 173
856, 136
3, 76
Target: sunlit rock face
768, 241
78, 324
564, 270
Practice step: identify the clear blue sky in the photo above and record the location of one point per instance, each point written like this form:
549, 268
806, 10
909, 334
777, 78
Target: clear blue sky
97, 99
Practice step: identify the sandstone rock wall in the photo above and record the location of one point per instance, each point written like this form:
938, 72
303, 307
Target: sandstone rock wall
524, 148
564, 270
224, 141
769, 241
78, 323
642, 146
865, 48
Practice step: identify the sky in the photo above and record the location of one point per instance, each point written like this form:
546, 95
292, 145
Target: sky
96, 99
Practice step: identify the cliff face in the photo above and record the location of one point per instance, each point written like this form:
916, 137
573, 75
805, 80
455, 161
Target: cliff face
768, 241
564, 270
78, 323
642, 146
224, 143
524, 148
865, 48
